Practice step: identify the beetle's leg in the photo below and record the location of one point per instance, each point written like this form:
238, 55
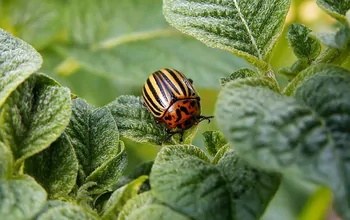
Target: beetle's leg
202, 118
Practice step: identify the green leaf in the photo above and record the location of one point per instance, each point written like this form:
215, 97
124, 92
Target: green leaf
37, 22
213, 141
68, 212
328, 96
55, 168
239, 74
335, 8
319, 69
251, 189
302, 44
108, 173
201, 191
293, 140
18, 61
34, 116
137, 123
119, 198
156, 211
136, 203
95, 138
257, 81
220, 153
21, 198
336, 40
6, 162
247, 28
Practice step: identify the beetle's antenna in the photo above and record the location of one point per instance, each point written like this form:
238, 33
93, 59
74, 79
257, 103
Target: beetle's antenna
202, 118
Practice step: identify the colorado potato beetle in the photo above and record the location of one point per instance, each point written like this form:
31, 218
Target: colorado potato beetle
173, 100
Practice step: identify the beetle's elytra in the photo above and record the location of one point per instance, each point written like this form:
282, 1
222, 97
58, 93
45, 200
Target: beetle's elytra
173, 100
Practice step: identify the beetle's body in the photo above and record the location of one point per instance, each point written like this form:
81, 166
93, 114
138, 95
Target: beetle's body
172, 99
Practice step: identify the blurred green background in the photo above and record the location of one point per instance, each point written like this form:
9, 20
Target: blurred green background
102, 49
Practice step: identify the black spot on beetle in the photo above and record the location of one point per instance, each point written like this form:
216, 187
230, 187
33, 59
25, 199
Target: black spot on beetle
178, 114
183, 109
193, 103
185, 102
167, 118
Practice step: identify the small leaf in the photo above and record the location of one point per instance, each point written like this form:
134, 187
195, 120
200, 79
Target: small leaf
6, 162
302, 44
213, 141
95, 138
257, 81
247, 28
239, 74
137, 123
319, 69
108, 173
251, 189
156, 211
136, 203
294, 70
34, 116
336, 40
17, 62
220, 154
68, 212
55, 168
119, 198
266, 134
336, 9
328, 96
201, 191
21, 198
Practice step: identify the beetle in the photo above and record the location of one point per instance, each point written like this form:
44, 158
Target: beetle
170, 96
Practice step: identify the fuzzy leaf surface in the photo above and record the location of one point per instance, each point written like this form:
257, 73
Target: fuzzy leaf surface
34, 116
239, 74
328, 96
68, 212
335, 8
157, 211
18, 61
201, 191
55, 168
213, 141
6, 162
247, 28
293, 140
21, 198
95, 138
303, 45
136, 203
251, 189
119, 198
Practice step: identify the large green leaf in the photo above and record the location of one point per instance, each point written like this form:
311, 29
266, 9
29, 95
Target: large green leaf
95, 138
21, 198
293, 140
55, 168
137, 123
336, 8
34, 116
248, 28
328, 96
36, 22
17, 62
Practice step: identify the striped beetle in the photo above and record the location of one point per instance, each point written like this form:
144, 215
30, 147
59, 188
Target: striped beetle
173, 100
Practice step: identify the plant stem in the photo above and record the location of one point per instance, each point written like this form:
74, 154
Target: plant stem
333, 56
